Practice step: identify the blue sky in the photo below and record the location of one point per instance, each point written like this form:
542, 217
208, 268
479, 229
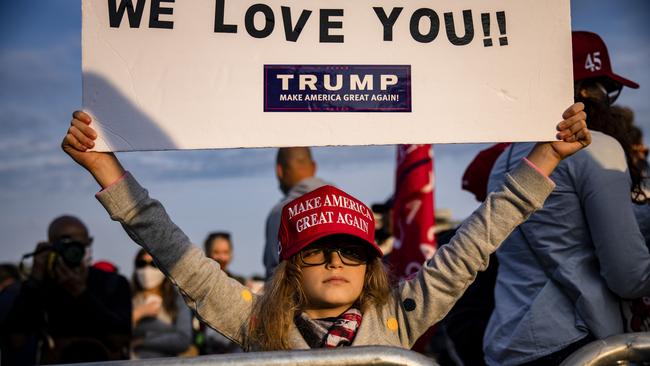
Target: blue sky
40, 85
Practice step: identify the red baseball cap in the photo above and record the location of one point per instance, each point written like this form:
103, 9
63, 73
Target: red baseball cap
320, 213
105, 266
591, 60
477, 174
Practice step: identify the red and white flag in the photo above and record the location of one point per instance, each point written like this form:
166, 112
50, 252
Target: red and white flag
413, 210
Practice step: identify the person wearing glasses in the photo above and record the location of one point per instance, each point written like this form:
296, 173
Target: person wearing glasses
162, 323
563, 273
330, 288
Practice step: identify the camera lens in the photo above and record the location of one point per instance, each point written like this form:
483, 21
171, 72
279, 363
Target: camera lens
71, 251
73, 254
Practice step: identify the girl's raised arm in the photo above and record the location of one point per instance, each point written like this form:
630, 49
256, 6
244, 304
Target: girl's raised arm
220, 301
426, 298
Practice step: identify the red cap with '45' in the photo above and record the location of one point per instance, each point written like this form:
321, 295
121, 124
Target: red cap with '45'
320, 213
591, 60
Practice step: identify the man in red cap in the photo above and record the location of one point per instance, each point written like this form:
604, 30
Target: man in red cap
563, 272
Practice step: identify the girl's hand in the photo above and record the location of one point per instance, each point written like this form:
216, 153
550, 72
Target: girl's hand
573, 132
80, 137
573, 135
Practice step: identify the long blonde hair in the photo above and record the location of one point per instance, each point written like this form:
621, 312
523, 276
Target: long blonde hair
273, 313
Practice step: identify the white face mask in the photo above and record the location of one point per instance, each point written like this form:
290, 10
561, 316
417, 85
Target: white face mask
149, 277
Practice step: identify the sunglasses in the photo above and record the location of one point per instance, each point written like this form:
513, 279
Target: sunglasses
141, 263
351, 255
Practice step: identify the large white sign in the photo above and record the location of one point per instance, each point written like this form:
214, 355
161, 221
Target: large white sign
192, 74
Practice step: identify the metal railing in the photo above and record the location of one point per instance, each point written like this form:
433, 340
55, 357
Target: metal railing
615, 350
349, 356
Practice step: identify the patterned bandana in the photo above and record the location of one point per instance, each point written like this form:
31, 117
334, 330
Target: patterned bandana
330, 332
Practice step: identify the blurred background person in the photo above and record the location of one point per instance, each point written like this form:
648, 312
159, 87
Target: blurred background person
219, 247
10, 280
162, 323
636, 312
563, 273
466, 321
383, 213
9, 289
639, 150
296, 172
638, 158
66, 310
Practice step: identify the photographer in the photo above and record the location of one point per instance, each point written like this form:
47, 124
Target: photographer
68, 311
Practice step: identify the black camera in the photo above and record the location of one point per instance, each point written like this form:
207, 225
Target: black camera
71, 251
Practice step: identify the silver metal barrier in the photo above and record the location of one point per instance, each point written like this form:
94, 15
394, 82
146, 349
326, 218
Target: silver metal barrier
615, 350
348, 356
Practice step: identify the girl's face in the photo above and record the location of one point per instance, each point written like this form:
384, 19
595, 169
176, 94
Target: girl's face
335, 285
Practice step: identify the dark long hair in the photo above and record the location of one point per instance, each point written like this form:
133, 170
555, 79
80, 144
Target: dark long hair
613, 121
167, 289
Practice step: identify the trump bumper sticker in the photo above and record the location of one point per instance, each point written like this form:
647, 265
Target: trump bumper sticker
337, 88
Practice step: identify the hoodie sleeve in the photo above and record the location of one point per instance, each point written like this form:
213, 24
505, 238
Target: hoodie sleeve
221, 302
426, 298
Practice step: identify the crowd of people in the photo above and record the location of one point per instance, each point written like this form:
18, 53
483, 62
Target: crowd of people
555, 257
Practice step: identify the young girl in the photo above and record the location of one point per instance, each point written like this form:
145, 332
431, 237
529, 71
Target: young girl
330, 289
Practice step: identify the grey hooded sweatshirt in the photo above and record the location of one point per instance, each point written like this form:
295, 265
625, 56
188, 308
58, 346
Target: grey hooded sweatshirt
225, 305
